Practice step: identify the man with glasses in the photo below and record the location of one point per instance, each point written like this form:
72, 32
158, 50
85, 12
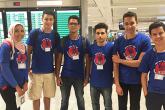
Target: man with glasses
128, 52
101, 78
73, 73
153, 63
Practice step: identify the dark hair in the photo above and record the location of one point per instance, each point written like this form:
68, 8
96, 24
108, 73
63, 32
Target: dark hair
130, 14
101, 25
156, 24
49, 12
74, 17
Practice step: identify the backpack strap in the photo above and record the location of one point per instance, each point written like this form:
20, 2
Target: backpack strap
56, 39
35, 35
7, 42
11, 50
63, 40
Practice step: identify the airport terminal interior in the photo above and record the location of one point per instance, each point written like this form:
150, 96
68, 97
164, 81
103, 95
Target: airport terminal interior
91, 12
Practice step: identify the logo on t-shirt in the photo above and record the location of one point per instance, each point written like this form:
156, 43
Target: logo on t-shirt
160, 67
130, 52
99, 58
73, 51
21, 58
46, 44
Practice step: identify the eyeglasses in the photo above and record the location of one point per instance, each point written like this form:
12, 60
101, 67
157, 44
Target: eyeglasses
73, 24
98, 33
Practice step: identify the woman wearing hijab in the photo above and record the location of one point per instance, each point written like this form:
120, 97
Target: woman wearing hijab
13, 67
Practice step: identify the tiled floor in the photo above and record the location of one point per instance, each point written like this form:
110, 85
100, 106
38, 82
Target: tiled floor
55, 104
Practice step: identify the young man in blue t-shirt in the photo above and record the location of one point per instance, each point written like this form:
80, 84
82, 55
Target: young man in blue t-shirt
101, 77
74, 49
42, 43
153, 64
128, 52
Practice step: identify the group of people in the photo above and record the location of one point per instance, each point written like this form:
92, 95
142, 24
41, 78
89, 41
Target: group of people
127, 62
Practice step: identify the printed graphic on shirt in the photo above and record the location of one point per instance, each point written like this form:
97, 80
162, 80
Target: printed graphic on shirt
160, 68
21, 59
73, 52
46, 44
130, 52
99, 58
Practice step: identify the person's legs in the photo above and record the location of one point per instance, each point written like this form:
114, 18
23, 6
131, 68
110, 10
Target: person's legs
135, 94
49, 88
35, 90
9, 98
122, 100
65, 92
47, 103
163, 98
95, 97
36, 104
107, 92
153, 101
79, 92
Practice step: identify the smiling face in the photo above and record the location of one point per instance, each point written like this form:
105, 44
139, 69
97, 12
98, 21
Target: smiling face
47, 21
158, 36
19, 32
73, 26
101, 35
130, 25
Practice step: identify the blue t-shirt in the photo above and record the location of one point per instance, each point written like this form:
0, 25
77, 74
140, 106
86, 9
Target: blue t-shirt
43, 49
154, 63
74, 54
102, 65
11, 73
131, 49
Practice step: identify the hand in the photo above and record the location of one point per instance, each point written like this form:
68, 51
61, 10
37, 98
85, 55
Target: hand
116, 59
30, 74
19, 91
59, 81
145, 92
25, 87
85, 82
119, 90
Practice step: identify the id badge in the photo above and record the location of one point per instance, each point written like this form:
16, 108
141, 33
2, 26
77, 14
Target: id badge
47, 49
19, 99
21, 66
159, 77
76, 57
99, 67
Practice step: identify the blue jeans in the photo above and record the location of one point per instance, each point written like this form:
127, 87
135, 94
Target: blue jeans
65, 92
95, 97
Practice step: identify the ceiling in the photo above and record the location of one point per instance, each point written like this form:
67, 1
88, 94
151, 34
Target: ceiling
111, 11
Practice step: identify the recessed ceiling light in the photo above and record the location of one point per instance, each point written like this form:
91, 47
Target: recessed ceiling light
49, 3
132, 8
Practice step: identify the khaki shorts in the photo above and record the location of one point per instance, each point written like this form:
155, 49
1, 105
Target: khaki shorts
42, 83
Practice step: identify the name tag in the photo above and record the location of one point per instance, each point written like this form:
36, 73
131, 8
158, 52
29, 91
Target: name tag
99, 67
47, 49
159, 77
19, 99
76, 57
21, 66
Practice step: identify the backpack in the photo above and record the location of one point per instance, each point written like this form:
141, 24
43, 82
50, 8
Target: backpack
36, 33
64, 39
